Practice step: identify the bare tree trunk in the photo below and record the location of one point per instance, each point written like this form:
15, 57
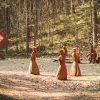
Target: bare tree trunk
90, 33
27, 26
83, 1
67, 6
94, 18
7, 16
72, 6
17, 32
36, 23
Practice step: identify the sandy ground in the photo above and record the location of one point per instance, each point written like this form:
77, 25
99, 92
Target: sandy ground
16, 83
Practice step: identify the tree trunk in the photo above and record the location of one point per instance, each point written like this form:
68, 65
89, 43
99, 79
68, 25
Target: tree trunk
94, 18
67, 6
72, 6
83, 1
90, 33
7, 16
27, 26
18, 21
36, 23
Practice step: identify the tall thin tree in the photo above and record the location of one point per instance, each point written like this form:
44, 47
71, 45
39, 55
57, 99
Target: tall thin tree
94, 18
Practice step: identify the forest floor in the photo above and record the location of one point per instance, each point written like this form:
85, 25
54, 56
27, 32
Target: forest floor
17, 84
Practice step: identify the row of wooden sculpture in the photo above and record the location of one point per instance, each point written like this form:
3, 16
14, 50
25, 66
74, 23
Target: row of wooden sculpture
62, 70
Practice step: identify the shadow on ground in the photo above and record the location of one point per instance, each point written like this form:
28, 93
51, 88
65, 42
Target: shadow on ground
81, 97
6, 97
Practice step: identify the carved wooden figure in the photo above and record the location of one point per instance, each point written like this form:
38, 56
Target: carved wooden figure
62, 70
75, 70
3, 40
33, 67
65, 50
92, 55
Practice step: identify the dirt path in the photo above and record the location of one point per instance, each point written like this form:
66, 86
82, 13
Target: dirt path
46, 65
16, 83
27, 87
